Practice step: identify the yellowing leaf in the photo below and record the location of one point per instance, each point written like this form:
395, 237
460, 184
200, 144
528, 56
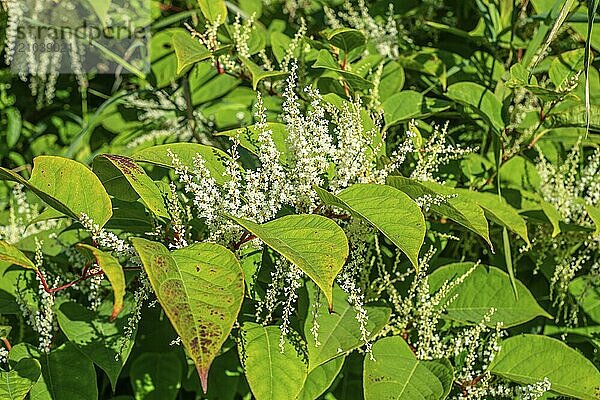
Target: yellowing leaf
113, 271
201, 289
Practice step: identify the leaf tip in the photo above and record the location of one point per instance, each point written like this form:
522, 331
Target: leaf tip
203, 374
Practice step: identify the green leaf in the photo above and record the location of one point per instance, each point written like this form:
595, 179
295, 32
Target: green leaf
97, 336
553, 216
188, 50
481, 100
258, 74
586, 291
408, 104
500, 211
271, 374
101, 8
201, 289
12, 255
16, 383
395, 373
484, 288
159, 155
388, 209
564, 66
14, 126
84, 192
315, 244
156, 376
214, 10
528, 359
5, 331
444, 371
346, 39
126, 180
339, 332
325, 60
113, 271
65, 373
594, 214
457, 208
321, 378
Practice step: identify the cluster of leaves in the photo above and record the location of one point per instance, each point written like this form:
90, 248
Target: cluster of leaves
114, 286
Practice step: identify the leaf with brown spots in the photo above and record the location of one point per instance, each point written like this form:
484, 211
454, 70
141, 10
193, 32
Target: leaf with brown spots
126, 180
313, 243
201, 289
113, 271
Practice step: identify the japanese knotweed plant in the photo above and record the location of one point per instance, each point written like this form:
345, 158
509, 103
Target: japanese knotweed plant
282, 211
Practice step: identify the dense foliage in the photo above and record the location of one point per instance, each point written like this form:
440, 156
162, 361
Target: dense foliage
305, 199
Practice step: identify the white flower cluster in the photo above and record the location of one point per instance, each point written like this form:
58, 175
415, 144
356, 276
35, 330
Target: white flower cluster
384, 34
21, 212
434, 153
570, 188
41, 316
104, 238
164, 117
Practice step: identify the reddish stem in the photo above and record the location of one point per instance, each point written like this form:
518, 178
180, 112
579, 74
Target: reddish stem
50, 290
246, 237
7, 344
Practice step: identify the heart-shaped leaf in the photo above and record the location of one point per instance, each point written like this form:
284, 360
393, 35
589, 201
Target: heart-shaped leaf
99, 338
528, 359
388, 209
315, 244
201, 289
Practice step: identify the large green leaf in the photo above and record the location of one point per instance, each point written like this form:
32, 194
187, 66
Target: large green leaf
321, 378
528, 359
113, 271
457, 208
408, 104
201, 289
12, 255
480, 99
388, 209
16, 383
395, 373
339, 332
99, 338
346, 39
156, 376
315, 244
185, 152
67, 186
484, 288
500, 211
126, 180
325, 60
188, 50
271, 374
214, 10
65, 373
